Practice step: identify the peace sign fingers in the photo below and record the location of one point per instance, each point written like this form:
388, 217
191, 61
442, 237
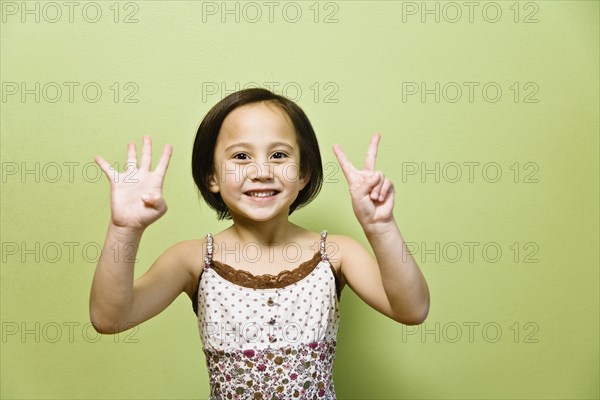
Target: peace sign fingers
372, 194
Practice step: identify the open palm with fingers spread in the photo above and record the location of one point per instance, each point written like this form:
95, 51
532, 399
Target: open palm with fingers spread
136, 198
372, 194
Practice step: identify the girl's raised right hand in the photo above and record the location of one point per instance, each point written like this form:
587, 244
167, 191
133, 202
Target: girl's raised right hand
136, 198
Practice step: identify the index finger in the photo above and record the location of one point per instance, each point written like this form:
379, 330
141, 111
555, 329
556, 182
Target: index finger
372, 153
346, 165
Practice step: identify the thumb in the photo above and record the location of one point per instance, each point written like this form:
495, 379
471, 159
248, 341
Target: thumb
151, 198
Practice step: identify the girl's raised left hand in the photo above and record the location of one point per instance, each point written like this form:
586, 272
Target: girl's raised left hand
372, 194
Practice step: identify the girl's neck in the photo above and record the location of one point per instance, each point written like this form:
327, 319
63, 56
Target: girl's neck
276, 230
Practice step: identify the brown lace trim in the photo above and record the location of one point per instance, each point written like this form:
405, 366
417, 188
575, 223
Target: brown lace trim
295, 275
267, 281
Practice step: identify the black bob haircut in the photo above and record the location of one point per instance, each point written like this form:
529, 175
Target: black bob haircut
206, 139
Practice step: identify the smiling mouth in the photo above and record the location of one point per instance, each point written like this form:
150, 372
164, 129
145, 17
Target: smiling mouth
262, 193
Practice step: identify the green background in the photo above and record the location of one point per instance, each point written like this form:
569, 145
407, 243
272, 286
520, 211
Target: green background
533, 312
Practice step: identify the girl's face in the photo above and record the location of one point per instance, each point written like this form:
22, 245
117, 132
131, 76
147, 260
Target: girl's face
257, 162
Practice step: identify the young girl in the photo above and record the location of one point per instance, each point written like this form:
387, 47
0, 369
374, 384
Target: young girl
265, 291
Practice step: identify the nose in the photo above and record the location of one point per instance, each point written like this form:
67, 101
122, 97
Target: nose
257, 171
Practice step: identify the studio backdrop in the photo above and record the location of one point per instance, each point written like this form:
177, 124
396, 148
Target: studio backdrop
488, 112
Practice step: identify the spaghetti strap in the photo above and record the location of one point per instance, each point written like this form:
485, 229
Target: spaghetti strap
323, 252
208, 257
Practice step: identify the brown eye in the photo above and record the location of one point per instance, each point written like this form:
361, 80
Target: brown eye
237, 156
283, 155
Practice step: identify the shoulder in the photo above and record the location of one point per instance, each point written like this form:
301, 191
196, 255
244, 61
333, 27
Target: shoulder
347, 254
186, 248
341, 251
344, 245
187, 255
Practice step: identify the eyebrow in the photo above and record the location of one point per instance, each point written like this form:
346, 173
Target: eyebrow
246, 144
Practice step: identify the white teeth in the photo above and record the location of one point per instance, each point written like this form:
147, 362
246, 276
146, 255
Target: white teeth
261, 194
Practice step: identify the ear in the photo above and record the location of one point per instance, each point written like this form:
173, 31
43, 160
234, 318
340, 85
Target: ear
213, 184
303, 180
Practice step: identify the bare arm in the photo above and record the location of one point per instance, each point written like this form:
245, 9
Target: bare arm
390, 283
404, 284
111, 295
393, 284
116, 303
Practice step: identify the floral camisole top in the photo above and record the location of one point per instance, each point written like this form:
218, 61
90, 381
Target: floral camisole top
269, 336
